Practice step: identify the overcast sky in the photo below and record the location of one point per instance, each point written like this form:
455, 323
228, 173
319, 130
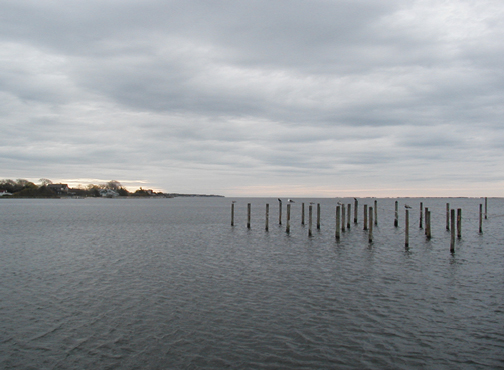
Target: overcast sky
258, 97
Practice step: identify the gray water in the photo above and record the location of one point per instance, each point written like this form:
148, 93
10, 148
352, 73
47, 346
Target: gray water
169, 284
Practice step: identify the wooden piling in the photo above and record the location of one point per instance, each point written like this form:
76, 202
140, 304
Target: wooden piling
356, 205
452, 233
318, 216
302, 214
349, 211
266, 227
481, 218
287, 229
376, 212
421, 215
426, 211
486, 208
343, 218
232, 214
338, 215
406, 229
370, 232
447, 216
428, 224
396, 218
459, 223
310, 220
365, 217
279, 211
249, 212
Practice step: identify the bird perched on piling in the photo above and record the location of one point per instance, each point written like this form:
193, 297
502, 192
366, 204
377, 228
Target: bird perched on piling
280, 200
290, 201
407, 207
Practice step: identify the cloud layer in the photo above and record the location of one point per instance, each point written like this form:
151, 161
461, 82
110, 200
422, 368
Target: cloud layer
321, 97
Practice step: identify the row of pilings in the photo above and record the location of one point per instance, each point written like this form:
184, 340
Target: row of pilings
343, 215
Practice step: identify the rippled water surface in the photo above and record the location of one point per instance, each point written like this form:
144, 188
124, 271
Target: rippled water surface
169, 284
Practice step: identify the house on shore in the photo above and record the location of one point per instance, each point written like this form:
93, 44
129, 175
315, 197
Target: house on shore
60, 189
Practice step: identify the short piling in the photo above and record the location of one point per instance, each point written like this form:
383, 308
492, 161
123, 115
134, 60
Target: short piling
452, 232
249, 212
318, 216
406, 229
426, 211
356, 205
302, 214
338, 216
486, 208
266, 227
447, 216
232, 214
481, 218
287, 228
365, 217
459, 223
310, 220
370, 232
396, 218
428, 224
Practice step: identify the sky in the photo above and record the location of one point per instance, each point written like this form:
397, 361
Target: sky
320, 98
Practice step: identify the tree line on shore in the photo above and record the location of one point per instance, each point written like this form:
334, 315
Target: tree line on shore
46, 189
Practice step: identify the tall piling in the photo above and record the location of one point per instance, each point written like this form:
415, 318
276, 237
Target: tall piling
447, 216
266, 226
310, 220
356, 205
343, 218
376, 212
426, 211
452, 231
349, 211
249, 212
302, 214
365, 217
486, 208
406, 229
370, 232
279, 211
287, 228
421, 215
318, 216
459, 223
338, 216
396, 218
428, 224
481, 218
232, 214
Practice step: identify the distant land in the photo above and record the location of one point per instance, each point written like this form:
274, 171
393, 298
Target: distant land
21, 188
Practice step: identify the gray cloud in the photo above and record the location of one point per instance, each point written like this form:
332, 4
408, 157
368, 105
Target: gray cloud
234, 97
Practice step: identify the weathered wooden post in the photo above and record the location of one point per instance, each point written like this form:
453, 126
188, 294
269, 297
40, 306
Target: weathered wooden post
421, 215
370, 232
310, 220
452, 233
396, 218
486, 208
459, 223
287, 229
318, 216
279, 211
266, 227
428, 224
232, 214
365, 217
338, 215
426, 210
356, 205
481, 219
249, 209
302, 214
406, 229
447, 216
349, 210
343, 218
376, 212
